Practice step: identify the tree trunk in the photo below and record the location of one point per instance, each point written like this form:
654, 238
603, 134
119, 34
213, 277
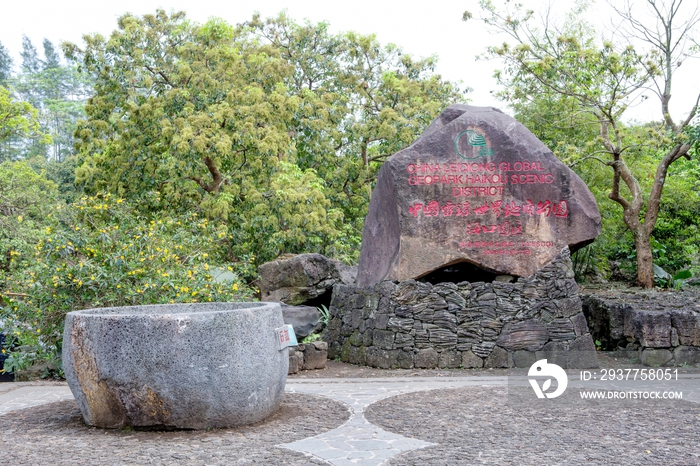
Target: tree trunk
645, 264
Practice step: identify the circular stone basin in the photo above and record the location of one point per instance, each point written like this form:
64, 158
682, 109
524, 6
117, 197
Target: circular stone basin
187, 366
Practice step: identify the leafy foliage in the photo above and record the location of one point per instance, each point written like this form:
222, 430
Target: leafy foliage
17, 120
102, 253
275, 127
589, 83
26, 205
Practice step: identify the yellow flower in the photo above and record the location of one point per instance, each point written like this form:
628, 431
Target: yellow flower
19, 218
235, 287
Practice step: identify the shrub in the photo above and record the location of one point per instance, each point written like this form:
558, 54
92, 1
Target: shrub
102, 253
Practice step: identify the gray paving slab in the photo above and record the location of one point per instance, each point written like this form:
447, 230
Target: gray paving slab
32, 395
359, 442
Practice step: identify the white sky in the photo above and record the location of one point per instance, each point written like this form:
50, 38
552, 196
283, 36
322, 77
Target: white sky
421, 29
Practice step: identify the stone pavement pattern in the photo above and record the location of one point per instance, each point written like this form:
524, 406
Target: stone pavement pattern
374, 421
495, 427
359, 442
54, 434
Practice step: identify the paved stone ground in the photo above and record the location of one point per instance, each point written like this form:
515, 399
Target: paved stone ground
350, 415
54, 434
486, 426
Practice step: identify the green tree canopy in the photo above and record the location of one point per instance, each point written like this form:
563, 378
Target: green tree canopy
360, 103
17, 120
233, 120
596, 81
26, 204
5, 65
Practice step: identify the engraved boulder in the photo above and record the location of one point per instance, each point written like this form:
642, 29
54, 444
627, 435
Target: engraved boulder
475, 187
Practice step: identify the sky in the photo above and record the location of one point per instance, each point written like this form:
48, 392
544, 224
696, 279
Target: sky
420, 28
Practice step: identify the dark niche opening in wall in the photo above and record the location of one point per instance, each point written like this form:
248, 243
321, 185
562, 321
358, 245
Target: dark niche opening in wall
459, 272
321, 300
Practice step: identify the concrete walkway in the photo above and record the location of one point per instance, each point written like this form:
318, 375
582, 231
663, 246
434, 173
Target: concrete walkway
357, 442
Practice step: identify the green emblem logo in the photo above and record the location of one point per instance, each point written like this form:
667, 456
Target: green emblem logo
475, 140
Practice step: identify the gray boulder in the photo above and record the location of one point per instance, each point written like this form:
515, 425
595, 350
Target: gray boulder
304, 319
475, 187
301, 278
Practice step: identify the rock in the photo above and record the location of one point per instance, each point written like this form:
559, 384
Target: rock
675, 341
528, 334
383, 339
476, 187
580, 324
296, 360
470, 359
449, 360
561, 329
504, 278
315, 355
687, 323
36, 372
426, 359
651, 328
686, 355
554, 352
524, 358
186, 366
499, 357
298, 279
582, 353
442, 338
406, 360
304, 319
656, 357
483, 349
381, 358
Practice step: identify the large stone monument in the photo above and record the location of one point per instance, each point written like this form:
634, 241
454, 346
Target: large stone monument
476, 187
465, 253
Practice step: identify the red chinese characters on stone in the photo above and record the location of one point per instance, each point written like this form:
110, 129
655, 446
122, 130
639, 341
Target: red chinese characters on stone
415, 208
449, 209
512, 209
503, 229
545, 208
482, 209
432, 209
561, 209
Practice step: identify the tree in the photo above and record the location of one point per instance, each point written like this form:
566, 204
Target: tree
17, 120
25, 210
360, 103
232, 121
59, 93
5, 65
181, 104
30, 57
603, 79
52, 59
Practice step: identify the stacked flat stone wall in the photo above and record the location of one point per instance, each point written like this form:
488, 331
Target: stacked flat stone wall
308, 356
448, 325
657, 328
